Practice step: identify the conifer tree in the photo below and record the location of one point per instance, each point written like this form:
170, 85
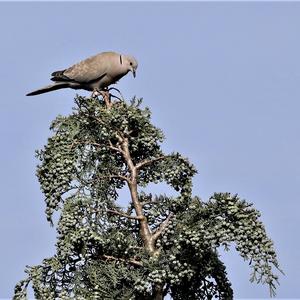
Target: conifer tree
155, 246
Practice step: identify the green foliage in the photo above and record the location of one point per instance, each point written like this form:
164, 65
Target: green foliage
224, 219
101, 252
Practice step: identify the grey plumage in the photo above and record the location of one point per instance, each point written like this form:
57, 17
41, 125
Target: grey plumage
92, 74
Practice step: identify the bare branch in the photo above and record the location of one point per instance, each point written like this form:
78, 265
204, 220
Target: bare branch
118, 149
115, 212
127, 157
136, 247
150, 202
130, 261
114, 176
120, 138
147, 162
162, 227
132, 184
106, 98
98, 120
85, 143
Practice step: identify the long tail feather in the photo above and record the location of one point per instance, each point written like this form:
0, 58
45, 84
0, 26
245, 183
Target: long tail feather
49, 88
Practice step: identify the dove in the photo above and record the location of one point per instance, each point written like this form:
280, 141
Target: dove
92, 74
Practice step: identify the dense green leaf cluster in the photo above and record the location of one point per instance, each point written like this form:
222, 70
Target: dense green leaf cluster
175, 170
100, 250
55, 173
238, 222
205, 226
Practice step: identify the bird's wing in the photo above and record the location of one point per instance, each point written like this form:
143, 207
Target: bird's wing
91, 68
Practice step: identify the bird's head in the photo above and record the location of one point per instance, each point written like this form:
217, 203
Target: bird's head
131, 63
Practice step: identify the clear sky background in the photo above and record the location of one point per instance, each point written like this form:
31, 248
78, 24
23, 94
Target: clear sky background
222, 81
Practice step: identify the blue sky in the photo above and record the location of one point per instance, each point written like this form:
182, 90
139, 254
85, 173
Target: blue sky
222, 81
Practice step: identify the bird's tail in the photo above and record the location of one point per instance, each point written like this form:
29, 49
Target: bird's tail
49, 88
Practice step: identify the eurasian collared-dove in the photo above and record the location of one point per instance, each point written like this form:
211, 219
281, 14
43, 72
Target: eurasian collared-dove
92, 74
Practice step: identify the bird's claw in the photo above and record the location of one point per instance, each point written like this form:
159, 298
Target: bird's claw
105, 95
95, 93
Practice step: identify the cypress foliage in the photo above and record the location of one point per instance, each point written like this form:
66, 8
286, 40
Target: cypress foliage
154, 246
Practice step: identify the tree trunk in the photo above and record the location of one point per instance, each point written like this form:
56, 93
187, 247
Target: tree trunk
158, 292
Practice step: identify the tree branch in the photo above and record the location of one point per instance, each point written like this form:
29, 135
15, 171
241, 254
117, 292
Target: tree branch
115, 212
97, 119
119, 137
162, 227
145, 231
146, 162
114, 176
118, 149
130, 261
85, 143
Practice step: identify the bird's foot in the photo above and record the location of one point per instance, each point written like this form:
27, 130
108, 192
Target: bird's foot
114, 96
95, 93
105, 95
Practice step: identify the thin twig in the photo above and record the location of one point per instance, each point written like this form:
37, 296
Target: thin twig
146, 162
124, 215
85, 143
97, 119
130, 261
114, 176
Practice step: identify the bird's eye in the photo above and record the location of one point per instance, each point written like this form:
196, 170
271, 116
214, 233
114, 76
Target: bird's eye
131, 63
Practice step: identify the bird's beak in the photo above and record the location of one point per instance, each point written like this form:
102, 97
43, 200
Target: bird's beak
134, 74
